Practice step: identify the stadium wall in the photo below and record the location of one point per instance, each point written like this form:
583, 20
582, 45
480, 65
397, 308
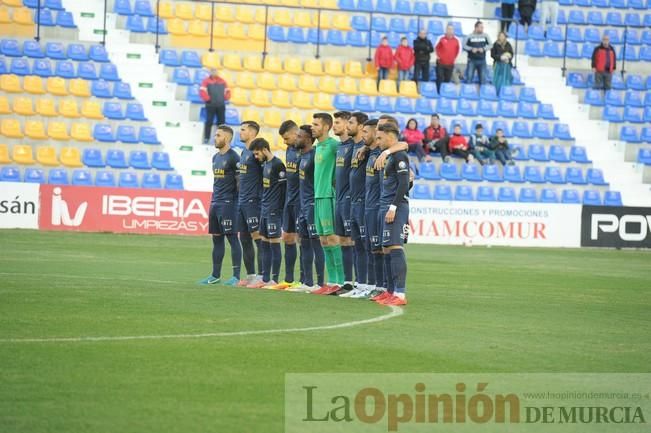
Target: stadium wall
146, 211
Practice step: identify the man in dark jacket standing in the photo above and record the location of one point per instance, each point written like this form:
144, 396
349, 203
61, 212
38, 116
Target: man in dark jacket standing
603, 64
215, 92
423, 50
476, 45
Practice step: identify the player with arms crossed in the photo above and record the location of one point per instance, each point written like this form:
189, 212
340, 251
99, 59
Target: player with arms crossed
223, 207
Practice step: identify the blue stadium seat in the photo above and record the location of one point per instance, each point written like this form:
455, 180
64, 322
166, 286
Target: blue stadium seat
3, 67
487, 108
574, 175
592, 35
404, 105
528, 94
446, 107
192, 94
9, 174
570, 196
359, 22
466, 108
469, 91
579, 154
592, 198
356, 39
173, 181
442, 192
555, 33
508, 93
81, 177
97, 53
34, 175
506, 194
553, 49
384, 104
365, 5
161, 161
633, 115
499, 124
463, 193
53, 4
645, 53
548, 195
629, 134
55, 51
485, 193
532, 174
182, 77
313, 36
143, 8
470, 172
462, 123
336, 38
42, 68
92, 157
586, 51
613, 114
66, 69
343, 102
526, 110
105, 179
421, 192
632, 37
601, 3
45, 18
527, 195
557, 154
594, 97
155, 24
108, 72
32, 49
613, 198
507, 109
103, 132
128, 179
19, 67
169, 58
521, 130
10, 48
115, 158
428, 171
100, 89
421, 8
113, 111
398, 25
491, 173
583, 3
232, 116
487, 92
425, 106
646, 34
200, 75
364, 104
428, 89
136, 24
644, 156
595, 18
576, 17
541, 130
440, 10
574, 34
139, 160
147, 135
135, 112
512, 174
122, 7
645, 135
533, 48
635, 82
553, 175
537, 152
58, 176
86, 70
449, 90
126, 134
448, 171
403, 7
562, 132
614, 19
536, 33
546, 111
572, 50
596, 177
347, 5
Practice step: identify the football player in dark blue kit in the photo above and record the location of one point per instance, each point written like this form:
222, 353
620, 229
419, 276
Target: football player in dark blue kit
223, 207
248, 214
394, 209
274, 184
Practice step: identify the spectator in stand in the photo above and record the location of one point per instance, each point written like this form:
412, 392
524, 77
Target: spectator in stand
508, 10
526, 9
215, 92
423, 50
502, 53
549, 10
414, 138
459, 145
476, 44
436, 138
383, 60
479, 146
447, 50
604, 62
500, 146
405, 59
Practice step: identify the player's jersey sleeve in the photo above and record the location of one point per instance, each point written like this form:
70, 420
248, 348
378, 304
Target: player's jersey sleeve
401, 167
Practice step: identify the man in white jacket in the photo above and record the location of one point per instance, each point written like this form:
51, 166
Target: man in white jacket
549, 11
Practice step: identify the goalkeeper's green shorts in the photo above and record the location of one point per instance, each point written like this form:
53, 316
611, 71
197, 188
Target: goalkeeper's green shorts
324, 216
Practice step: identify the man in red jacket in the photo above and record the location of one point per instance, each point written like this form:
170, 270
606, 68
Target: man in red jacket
405, 59
215, 92
603, 63
383, 60
437, 138
458, 145
447, 50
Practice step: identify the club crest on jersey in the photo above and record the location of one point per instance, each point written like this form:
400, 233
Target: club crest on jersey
281, 174
402, 164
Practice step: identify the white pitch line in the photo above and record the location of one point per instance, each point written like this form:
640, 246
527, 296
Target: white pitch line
395, 312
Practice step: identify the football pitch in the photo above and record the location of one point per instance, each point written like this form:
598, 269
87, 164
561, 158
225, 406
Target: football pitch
110, 333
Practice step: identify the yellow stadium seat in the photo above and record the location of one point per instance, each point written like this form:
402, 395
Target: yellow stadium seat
203, 12
237, 31
388, 88
354, 69
272, 118
260, 98
368, 86
293, 65
184, 11
251, 114
326, 21
33, 84
11, 83
176, 26
280, 99
296, 116
219, 32
260, 16
341, 22
224, 14
328, 4
281, 18
323, 101
303, 19
69, 108
334, 68
47, 155
70, 157
23, 106
4, 105
245, 80
348, 85
302, 100
13, 3
79, 87
91, 110
11, 128
314, 67
244, 15
211, 60
57, 131
57, 86
253, 63
22, 154
290, 2
409, 89
81, 132
307, 83
165, 10
45, 107
239, 97
232, 62
287, 82
310, 3
328, 85
4, 15
35, 129
22, 16
256, 32
273, 64
197, 28
266, 81
4, 154
227, 76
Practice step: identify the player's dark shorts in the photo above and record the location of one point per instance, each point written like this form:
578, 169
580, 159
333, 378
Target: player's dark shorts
342, 218
306, 225
221, 219
248, 217
290, 218
396, 232
271, 225
373, 235
357, 221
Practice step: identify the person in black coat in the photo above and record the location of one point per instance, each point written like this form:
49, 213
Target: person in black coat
423, 49
526, 8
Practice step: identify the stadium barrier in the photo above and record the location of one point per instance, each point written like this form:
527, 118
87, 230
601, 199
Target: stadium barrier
152, 211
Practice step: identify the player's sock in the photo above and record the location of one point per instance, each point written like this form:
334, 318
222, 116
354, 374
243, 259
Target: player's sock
248, 252
370, 268
290, 262
361, 266
276, 259
319, 261
388, 273
307, 257
347, 262
329, 260
338, 263
236, 254
265, 249
258, 245
378, 258
300, 263
399, 271
218, 250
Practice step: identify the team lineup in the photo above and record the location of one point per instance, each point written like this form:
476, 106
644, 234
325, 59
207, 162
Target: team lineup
342, 203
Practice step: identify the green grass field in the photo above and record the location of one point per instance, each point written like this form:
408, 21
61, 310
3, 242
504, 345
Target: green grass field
471, 310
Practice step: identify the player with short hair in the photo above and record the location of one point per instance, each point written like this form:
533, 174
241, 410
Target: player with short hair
248, 214
223, 207
274, 184
394, 213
